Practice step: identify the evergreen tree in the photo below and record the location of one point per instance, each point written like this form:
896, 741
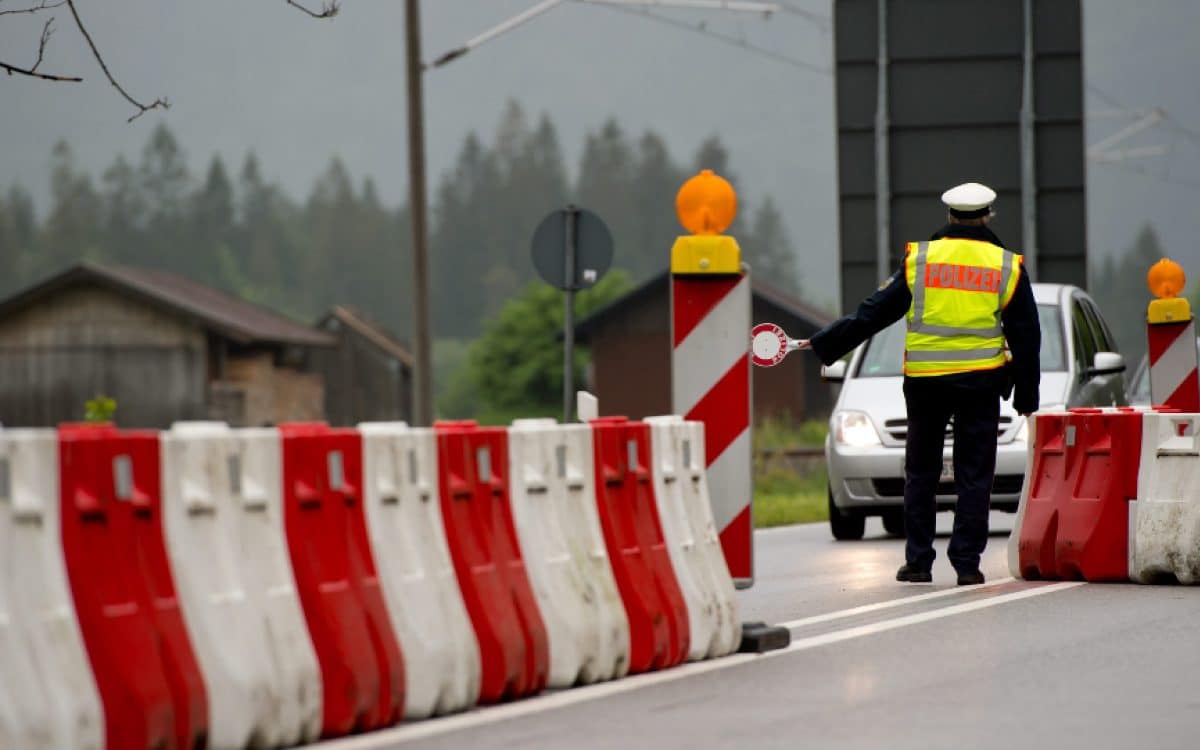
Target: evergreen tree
211, 222
268, 257
713, 155
334, 262
165, 186
606, 177
124, 213
1124, 305
768, 250
17, 232
72, 230
656, 180
382, 241
342, 245
461, 251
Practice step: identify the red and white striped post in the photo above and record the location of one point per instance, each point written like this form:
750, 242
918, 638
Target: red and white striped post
710, 372
1171, 339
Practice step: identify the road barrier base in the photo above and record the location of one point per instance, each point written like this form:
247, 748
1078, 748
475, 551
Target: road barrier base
759, 638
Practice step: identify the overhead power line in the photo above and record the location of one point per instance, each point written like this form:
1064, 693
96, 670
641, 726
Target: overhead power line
815, 19
702, 28
1142, 171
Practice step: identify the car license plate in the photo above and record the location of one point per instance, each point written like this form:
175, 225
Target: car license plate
947, 470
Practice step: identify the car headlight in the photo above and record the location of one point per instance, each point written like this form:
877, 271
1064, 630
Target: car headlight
853, 428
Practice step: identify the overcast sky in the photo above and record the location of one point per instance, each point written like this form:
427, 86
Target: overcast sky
258, 75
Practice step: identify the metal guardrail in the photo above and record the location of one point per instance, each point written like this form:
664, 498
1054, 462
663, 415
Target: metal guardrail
802, 459
799, 451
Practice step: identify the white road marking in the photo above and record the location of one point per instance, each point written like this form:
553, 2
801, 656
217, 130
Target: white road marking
560, 699
546, 702
899, 622
842, 614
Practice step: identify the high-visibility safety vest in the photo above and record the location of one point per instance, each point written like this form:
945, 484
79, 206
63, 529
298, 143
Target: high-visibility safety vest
959, 288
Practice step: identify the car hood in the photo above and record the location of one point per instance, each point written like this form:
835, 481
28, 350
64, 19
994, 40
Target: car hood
883, 398
872, 394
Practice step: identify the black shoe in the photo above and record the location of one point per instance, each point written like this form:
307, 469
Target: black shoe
909, 574
970, 578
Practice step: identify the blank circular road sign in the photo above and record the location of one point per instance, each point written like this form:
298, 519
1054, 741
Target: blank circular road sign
590, 240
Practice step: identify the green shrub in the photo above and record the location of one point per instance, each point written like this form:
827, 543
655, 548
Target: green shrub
100, 409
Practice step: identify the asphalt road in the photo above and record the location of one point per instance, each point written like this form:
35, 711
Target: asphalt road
878, 664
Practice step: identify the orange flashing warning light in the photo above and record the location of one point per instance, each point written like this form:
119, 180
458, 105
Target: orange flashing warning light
1166, 280
706, 205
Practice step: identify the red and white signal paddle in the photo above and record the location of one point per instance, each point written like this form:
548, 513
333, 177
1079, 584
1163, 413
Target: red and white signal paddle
769, 344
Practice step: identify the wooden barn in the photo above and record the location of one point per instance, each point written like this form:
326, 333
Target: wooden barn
168, 348
630, 341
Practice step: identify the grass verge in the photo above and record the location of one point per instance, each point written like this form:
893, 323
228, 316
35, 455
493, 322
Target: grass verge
784, 497
784, 510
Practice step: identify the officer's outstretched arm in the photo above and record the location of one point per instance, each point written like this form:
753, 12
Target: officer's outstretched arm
887, 305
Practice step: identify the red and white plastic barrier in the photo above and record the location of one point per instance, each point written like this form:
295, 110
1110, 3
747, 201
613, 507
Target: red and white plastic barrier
137, 644
1074, 519
228, 633
554, 512
256, 476
473, 482
690, 533
1110, 495
37, 601
261, 587
404, 520
1164, 539
362, 669
658, 616
26, 718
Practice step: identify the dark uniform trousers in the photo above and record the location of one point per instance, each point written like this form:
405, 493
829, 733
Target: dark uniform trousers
931, 402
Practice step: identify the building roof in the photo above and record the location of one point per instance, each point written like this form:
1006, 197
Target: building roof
371, 331
222, 313
762, 291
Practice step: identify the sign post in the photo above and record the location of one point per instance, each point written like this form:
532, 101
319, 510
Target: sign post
710, 372
572, 249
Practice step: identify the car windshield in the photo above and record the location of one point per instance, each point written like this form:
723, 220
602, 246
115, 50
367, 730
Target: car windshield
884, 356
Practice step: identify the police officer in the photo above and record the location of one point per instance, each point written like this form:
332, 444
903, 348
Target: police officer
964, 296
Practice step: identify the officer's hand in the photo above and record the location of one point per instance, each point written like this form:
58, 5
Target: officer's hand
802, 344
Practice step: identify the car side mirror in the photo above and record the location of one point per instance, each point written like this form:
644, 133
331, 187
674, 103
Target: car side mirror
835, 373
1106, 363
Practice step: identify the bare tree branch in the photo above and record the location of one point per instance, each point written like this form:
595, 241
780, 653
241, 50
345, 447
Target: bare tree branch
10, 69
329, 9
47, 31
159, 103
43, 5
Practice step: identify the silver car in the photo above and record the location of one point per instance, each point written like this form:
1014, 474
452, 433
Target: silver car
864, 451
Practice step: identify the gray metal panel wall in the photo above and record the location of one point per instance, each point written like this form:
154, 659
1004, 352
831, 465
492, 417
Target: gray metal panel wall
955, 83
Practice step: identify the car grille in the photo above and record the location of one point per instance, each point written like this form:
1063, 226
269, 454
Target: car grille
1002, 484
897, 429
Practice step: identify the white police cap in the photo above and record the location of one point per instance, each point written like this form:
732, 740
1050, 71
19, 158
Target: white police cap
969, 200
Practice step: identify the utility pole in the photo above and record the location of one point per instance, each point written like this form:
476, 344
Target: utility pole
423, 408
883, 179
